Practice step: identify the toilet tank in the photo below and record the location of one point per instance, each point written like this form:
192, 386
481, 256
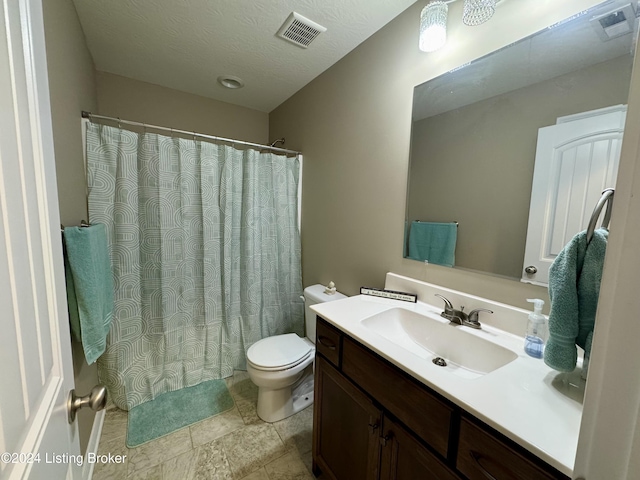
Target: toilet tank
312, 295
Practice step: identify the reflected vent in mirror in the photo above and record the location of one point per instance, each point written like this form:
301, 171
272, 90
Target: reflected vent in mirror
614, 24
300, 30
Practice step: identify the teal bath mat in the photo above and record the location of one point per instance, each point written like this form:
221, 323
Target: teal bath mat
175, 410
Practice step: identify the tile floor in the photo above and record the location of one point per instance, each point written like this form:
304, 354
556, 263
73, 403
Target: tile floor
234, 445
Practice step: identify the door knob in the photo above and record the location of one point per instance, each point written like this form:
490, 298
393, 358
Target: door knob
531, 270
96, 400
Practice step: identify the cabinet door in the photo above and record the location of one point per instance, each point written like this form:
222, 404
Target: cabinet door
409, 401
405, 458
346, 428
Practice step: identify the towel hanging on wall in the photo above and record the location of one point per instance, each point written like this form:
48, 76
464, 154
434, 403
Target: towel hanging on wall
574, 287
89, 287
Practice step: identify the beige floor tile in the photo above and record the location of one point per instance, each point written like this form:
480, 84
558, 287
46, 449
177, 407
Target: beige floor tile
212, 463
307, 459
257, 475
215, 427
240, 382
296, 431
182, 467
111, 471
248, 411
153, 473
115, 446
235, 444
288, 467
115, 424
252, 447
160, 450
245, 394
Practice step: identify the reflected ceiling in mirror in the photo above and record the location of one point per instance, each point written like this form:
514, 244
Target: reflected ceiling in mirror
474, 134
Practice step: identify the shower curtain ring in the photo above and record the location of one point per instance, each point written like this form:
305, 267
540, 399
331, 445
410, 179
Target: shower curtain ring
119, 123
194, 136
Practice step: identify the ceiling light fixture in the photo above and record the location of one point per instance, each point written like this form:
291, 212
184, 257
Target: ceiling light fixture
433, 26
231, 82
476, 12
433, 20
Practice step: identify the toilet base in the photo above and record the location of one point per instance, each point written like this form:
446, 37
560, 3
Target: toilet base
278, 404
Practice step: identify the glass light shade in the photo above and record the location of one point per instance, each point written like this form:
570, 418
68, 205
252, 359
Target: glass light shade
476, 12
433, 26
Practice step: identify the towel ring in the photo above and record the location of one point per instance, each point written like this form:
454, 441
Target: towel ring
607, 198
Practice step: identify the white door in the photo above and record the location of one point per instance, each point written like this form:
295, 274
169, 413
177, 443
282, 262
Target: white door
35, 352
576, 159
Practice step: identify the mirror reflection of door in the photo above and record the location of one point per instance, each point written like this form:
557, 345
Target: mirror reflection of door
576, 159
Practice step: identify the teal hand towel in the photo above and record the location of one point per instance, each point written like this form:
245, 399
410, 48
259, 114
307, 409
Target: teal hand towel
72, 301
434, 242
91, 295
574, 287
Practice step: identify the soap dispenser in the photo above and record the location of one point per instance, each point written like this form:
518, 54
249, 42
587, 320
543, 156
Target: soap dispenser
536, 330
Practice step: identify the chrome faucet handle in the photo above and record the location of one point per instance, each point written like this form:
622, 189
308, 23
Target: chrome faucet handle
475, 314
448, 306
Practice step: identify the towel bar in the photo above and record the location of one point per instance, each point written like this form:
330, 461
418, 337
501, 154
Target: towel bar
607, 198
82, 224
428, 221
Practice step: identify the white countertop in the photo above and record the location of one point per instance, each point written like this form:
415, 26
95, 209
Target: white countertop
522, 399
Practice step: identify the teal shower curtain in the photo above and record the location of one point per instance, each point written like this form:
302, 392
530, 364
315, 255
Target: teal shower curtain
205, 251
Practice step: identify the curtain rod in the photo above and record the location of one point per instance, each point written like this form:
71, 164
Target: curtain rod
91, 116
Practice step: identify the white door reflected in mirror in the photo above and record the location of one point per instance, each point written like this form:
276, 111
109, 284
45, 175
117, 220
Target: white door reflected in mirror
576, 159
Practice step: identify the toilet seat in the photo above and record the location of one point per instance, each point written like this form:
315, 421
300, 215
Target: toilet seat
279, 352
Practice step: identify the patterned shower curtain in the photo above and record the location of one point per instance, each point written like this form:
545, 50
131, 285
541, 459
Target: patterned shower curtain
205, 251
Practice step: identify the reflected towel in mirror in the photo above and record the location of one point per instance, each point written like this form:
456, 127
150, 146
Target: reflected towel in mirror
433, 242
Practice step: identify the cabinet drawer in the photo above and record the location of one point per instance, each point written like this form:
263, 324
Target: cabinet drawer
328, 341
402, 396
482, 456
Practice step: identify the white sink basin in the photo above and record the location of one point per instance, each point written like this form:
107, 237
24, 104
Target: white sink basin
465, 354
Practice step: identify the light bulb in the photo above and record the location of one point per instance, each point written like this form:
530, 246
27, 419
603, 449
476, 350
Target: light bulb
475, 12
433, 26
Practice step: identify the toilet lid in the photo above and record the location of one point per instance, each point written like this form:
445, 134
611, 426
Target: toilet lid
278, 351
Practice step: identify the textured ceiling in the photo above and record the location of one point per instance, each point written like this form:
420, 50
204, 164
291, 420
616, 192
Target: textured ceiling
187, 44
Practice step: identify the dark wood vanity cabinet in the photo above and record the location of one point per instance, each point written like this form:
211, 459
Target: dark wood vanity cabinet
373, 421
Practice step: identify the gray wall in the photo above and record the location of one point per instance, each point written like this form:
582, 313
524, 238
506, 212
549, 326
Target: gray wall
72, 89
475, 164
139, 101
353, 124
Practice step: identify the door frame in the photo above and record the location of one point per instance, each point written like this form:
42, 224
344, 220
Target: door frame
609, 440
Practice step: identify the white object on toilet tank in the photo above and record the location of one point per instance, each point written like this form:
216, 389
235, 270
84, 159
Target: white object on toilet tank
312, 295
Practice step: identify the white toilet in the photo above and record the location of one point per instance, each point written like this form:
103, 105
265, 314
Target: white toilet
282, 366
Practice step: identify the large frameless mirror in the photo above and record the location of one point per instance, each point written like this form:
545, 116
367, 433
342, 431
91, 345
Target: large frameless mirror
476, 142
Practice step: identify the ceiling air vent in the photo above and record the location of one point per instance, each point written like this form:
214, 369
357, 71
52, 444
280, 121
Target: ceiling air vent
300, 30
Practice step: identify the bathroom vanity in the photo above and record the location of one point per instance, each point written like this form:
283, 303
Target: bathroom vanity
384, 410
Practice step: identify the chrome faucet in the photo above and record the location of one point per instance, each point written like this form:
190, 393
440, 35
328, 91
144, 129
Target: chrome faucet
460, 317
